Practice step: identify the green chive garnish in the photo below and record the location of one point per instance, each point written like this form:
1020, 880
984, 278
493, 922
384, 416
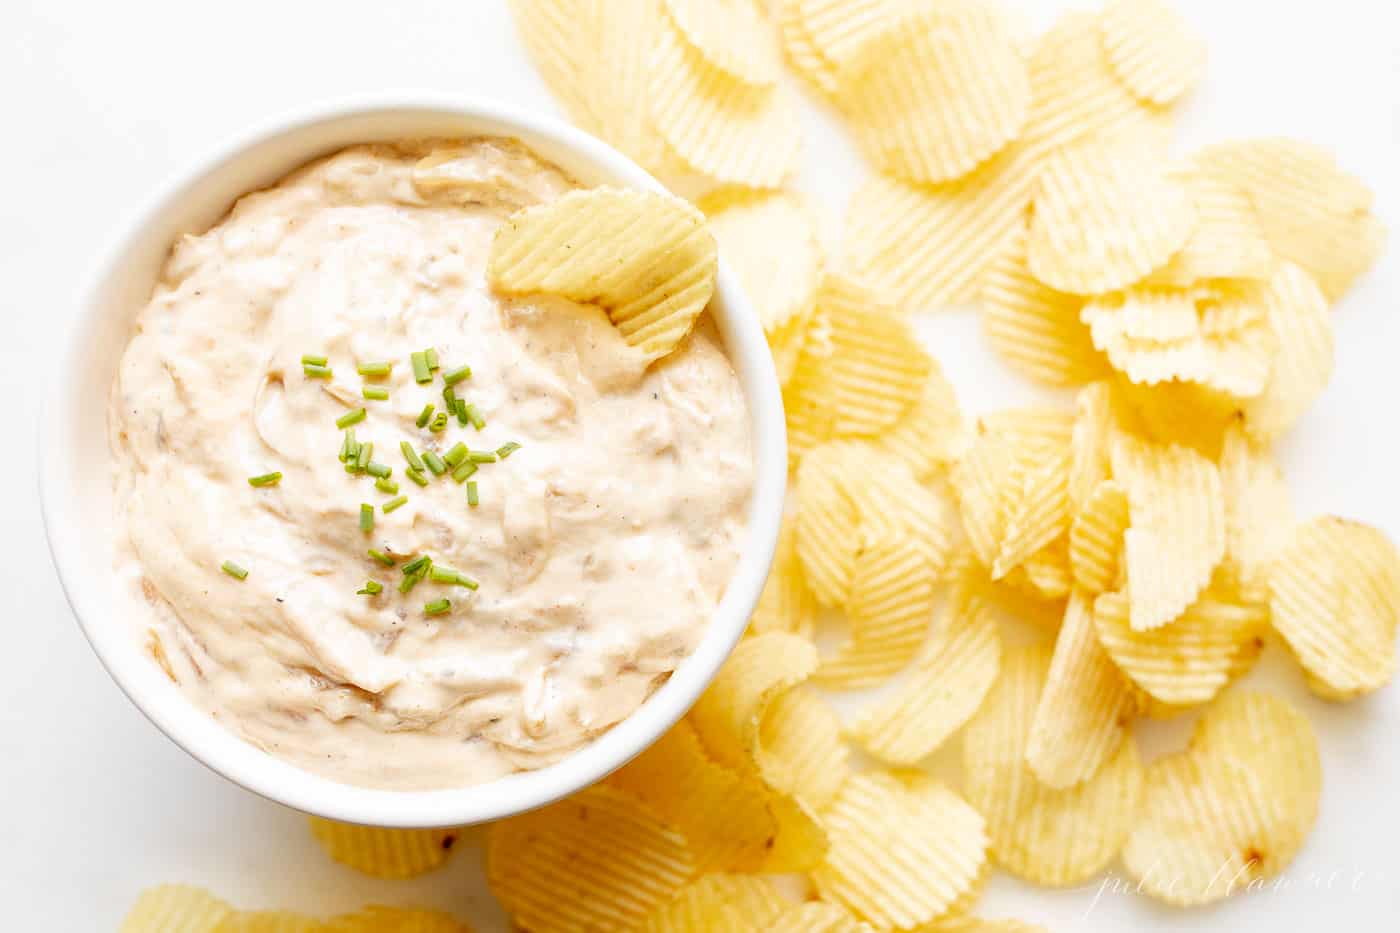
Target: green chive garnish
416, 475
474, 417
312, 359
350, 417
384, 484
375, 393
468, 582
366, 517
464, 471
312, 371
440, 574
482, 456
472, 499
425, 415
437, 607
352, 467
409, 582
379, 470
457, 375
380, 556
362, 456
457, 454
506, 449
434, 463
233, 570
345, 445
371, 588
449, 396
394, 504
267, 479
422, 562
460, 407
430, 355
411, 455
421, 372
375, 370
438, 423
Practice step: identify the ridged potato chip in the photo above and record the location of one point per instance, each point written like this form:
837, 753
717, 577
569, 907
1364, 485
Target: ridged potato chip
1334, 591
806, 333
175, 908
1044, 835
1096, 539
817, 917
892, 502
842, 31
1313, 213
1233, 808
770, 240
900, 855
932, 433
1035, 329
1105, 215
1228, 242
1302, 326
269, 921
617, 39
802, 839
549, 30
1037, 431
982, 481
1094, 421
599, 860
1258, 507
1184, 413
384, 853
801, 752
943, 93
1176, 529
949, 679
723, 129
378, 918
729, 714
644, 258
800, 49
1190, 659
1046, 572
1151, 49
786, 604
722, 813
828, 522
730, 35
1037, 514
1086, 710
720, 904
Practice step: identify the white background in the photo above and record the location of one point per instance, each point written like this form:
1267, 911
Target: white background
102, 100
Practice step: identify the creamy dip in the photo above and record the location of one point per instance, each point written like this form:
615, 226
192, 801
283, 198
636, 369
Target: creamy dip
601, 546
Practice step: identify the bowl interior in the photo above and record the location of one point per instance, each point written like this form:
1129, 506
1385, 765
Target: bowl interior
76, 465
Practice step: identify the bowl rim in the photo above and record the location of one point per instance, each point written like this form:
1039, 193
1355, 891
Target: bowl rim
221, 749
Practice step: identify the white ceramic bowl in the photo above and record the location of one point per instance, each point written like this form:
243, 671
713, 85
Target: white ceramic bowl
75, 484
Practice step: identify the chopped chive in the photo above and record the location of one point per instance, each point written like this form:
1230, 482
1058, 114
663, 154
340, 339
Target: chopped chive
423, 562
380, 556
376, 369
394, 503
412, 580
362, 456
483, 456
384, 484
425, 415
416, 475
371, 588
440, 574
437, 607
449, 396
411, 455
474, 417
434, 463
350, 417
464, 471
421, 373
352, 467
233, 570
345, 446
506, 449
457, 375
379, 470
468, 582
313, 359
375, 393
438, 423
457, 454
460, 407
472, 499
312, 371
430, 355
267, 479
366, 517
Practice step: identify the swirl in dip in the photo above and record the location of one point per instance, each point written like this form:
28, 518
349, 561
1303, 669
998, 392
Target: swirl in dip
601, 546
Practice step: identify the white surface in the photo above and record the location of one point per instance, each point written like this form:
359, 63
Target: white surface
105, 100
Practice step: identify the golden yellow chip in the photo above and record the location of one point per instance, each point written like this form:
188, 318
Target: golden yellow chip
1176, 531
890, 611
804, 333
384, 853
842, 31
269, 921
1233, 808
932, 434
1047, 572
1191, 658
1312, 212
1228, 242
1184, 413
726, 130
892, 502
799, 49
801, 752
900, 855
809, 404
946, 685
828, 522
616, 40
816, 917
719, 904
1096, 539
1302, 326
381, 919
786, 603
1037, 514
645, 258
929, 246
802, 840
175, 908
982, 481
1048, 836
1086, 710
722, 813
1151, 49
1335, 594
1035, 329
1094, 421
729, 714
599, 860
770, 240
1035, 430
1105, 215
550, 31
730, 35
941, 95
1258, 508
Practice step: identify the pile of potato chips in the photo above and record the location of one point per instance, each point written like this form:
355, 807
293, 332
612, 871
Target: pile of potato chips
1144, 534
